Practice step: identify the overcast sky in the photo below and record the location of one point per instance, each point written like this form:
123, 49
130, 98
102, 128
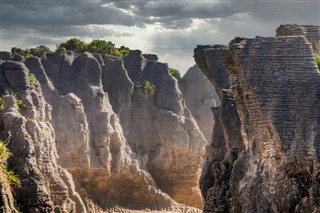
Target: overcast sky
169, 28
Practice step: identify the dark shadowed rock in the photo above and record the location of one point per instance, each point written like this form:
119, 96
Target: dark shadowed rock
270, 127
134, 63
151, 57
99, 58
19, 58
16, 74
114, 75
5, 56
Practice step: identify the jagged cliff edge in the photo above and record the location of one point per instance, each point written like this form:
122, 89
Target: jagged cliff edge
85, 136
264, 155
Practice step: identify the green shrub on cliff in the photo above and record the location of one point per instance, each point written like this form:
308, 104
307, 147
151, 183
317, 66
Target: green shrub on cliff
40, 50
32, 78
103, 47
317, 59
95, 46
1, 103
148, 88
124, 51
175, 73
74, 44
8, 175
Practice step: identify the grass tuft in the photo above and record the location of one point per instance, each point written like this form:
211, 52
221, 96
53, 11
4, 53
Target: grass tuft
317, 59
9, 175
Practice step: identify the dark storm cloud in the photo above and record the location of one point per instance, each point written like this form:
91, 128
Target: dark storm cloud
56, 13
27, 22
175, 14
170, 14
40, 14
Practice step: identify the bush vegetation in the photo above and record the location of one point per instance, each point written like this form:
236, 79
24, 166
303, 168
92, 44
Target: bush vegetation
317, 59
32, 78
76, 45
8, 175
19, 101
1, 103
175, 73
38, 51
95, 46
148, 88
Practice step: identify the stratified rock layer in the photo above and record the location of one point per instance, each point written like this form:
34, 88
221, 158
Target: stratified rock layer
158, 127
45, 186
70, 149
264, 156
90, 141
311, 32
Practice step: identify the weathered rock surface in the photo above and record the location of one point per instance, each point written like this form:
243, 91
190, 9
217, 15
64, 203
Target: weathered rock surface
311, 32
102, 163
200, 96
6, 197
158, 127
73, 153
45, 186
264, 156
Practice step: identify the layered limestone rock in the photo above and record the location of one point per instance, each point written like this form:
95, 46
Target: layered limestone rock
90, 141
200, 96
25, 119
158, 126
311, 32
63, 122
264, 156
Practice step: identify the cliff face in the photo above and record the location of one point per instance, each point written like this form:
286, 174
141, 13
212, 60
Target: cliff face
45, 186
264, 156
6, 197
158, 127
85, 138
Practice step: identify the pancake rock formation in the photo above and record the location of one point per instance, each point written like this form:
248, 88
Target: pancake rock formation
311, 32
159, 127
87, 135
264, 155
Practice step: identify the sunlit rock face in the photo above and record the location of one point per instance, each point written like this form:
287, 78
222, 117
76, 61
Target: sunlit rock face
86, 137
158, 126
264, 155
26, 126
